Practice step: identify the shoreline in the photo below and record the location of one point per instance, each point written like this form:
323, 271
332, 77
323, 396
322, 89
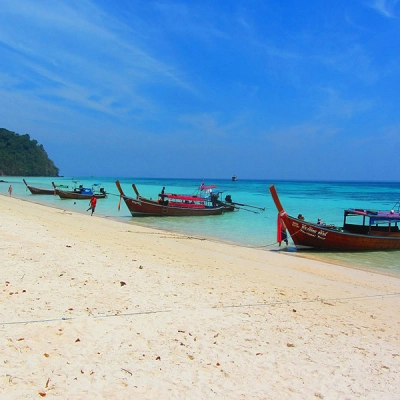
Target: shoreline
290, 252
347, 264
127, 311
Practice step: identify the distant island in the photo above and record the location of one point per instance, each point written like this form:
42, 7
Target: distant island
21, 156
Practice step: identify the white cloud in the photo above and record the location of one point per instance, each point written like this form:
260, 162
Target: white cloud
385, 7
197, 21
335, 105
210, 125
75, 51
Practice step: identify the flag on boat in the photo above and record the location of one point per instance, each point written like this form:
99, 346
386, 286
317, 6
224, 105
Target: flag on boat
279, 229
119, 203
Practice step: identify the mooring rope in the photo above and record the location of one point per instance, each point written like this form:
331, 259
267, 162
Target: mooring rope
274, 303
323, 300
94, 316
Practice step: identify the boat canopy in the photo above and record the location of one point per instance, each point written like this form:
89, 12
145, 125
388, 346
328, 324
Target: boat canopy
183, 197
208, 187
376, 217
381, 219
357, 211
385, 216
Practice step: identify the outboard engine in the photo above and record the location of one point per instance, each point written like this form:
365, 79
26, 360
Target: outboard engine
228, 198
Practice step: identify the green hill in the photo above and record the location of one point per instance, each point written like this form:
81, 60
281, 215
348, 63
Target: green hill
21, 156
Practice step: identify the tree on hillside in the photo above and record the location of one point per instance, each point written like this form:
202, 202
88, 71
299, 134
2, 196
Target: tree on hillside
21, 156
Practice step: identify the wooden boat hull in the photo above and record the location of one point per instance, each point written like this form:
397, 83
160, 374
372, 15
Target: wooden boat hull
35, 190
141, 206
310, 236
145, 207
69, 195
307, 236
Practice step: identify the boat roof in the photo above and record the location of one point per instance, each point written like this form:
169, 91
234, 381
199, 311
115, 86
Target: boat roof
375, 216
187, 197
207, 187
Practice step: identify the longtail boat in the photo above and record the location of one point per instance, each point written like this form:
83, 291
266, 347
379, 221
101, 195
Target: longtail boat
35, 190
362, 230
81, 193
169, 204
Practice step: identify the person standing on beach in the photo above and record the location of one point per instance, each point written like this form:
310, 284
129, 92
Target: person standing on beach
10, 190
92, 204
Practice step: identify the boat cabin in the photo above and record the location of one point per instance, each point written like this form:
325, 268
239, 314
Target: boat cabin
181, 200
208, 200
89, 191
369, 222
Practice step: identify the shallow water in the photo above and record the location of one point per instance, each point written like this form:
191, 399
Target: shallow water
248, 226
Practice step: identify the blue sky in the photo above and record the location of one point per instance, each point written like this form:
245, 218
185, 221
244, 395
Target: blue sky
277, 89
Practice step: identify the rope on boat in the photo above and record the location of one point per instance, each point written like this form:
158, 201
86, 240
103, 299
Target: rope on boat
294, 234
272, 244
258, 247
117, 195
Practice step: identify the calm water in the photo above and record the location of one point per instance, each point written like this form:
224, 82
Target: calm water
325, 200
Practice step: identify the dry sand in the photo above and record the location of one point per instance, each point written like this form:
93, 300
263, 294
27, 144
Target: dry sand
96, 309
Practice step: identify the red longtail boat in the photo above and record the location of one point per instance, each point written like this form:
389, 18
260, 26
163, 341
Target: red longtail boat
363, 230
169, 204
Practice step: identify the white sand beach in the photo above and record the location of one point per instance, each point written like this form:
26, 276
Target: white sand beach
92, 308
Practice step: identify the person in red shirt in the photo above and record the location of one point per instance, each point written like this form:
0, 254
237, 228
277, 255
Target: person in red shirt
92, 204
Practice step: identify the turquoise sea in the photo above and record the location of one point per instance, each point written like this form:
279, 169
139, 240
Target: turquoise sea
248, 227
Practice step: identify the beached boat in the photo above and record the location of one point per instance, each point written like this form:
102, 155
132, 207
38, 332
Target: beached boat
362, 230
81, 193
35, 190
168, 204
